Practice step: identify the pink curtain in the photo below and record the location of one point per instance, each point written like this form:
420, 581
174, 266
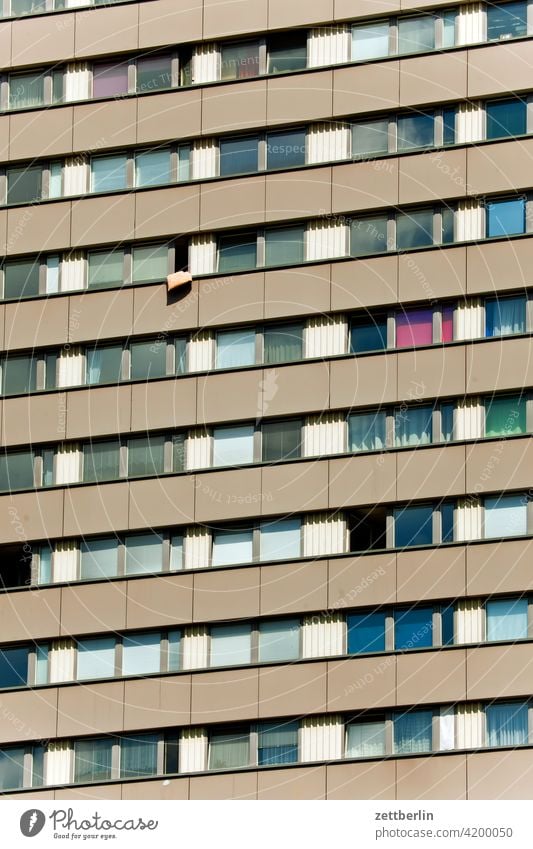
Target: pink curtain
447, 324
414, 327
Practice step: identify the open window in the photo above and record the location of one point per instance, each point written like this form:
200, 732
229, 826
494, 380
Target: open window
15, 565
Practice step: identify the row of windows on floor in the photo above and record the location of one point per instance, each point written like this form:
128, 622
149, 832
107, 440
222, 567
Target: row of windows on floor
357, 530
248, 154
21, 8
264, 55
279, 742
269, 641
276, 441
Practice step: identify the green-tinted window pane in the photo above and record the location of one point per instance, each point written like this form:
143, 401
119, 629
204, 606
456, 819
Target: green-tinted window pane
105, 269
287, 53
284, 246
50, 370
19, 375
174, 642
180, 346
369, 235
104, 365
178, 452
286, 149
150, 263
27, 7
153, 73
281, 440
138, 755
92, 759
152, 168
148, 359
144, 553
240, 61
448, 121
237, 253
11, 768
229, 750
448, 225
101, 461
414, 229
16, 470
24, 184
370, 137
505, 416
184, 162
26, 91
238, 155
416, 34
415, 130
99, 558
146, 456
21, 279
283, 343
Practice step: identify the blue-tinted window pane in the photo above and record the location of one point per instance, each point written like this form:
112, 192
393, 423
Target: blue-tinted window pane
108, 173
235, 348
238, 156
366, 632
368, 235
506, 516
11, 768
415, 131
370, 41
448, 128
414, 229
284, 246
506, 118
505, 316
447, 625
141, 654
277, 743
144, 553
506, 20
96, 658
506, 217
413, 426
13, 667
507, 619
286, 150
447, 510
416, 34
99, 558
507, 724
367, 431
413, 731
152, 168
231, 547
413, 526
237, 253
370, 137
280, 539
369, 335
20, 375
413, 628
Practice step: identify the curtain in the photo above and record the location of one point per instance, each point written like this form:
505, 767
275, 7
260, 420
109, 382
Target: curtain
412, 426
141, 654
110, 79
235, 348
446, 729
138, 755
92, 759
413, 731
414, 327
277, 744
321, 738
365, 739
229, 751
99, 558
323, 635
146, 456
230, 547
505, 416
506, 316
505, 516
283, 343
506, 619
507, 724
230, 645
26, 90
195, 647
96, 658
279, 640
328, 46
447, 324
193, 750
144, 553
233, 445
197, 548
280, 539
367, 431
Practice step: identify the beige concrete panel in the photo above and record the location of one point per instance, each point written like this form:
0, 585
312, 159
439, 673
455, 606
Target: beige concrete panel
102, 220
306, 783
31, 229
232, 17
429, 79
165, 212
168, 789
433, 176
109, 31
434, 274
151, 302
234, 107
499, 167
231, 203
99, 411
295, 487
500, 775
37, 418
5, 41
365, 8
4, 138
365, 186
158, 18
431, 372
295, 388
499, 364
300, 97
28, 715
228, 594
293, 690
42, 39
363, 380
165, 403
3, 230
362, 479
161, 501
93, 608
299, 12
502, 670
366, 88
163, 601
362, 682
95, 509
364, 282
298, 291
498, 265
431, 473
225, 696
35, 613
230, 495
367, 780
431, 573
432, 778
169, 115
361, 581
31, 515
232, 298
106, 123
233, 785
102, 791
46, 132
91, 709
95, 316
499, 68
298, 194
499, 465
36, 323
293, 587
229, 396
499, 567
157, 702
31, 794
431, 677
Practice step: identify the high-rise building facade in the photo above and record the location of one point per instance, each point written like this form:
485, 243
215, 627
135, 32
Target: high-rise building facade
266, 533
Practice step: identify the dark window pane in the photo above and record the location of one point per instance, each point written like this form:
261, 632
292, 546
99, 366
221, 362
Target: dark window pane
104, 365
153, 73
508, 20
21, 279
369, 235
138, 755
92, 759
413, 526
24, 184
101, 461
11, 768
447, 626
13, 667
50, 370
366, 632
506, 118
448, 225
286, 150
413, 628
447, 510
109, 79
240, 61
506, 316
368, 529
148, 359
237, 253
448, 121
281, 440
146, 456
415, 131
277, 743
238, 156
506, 217
284, 246
20, 375
414, 230
413, 731
287, 53
16, 470
283, 343
369, 335
369, 137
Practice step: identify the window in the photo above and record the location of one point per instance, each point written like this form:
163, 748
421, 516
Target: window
231, 547
281, 440
366, 632
414, 229
287, 53
178, 452
16, 470
414, 328
370, 137
284, 246
154, 73
447, 513
367, 431
447, 625
105, 269
15, 565
27, 7
413, 426
104, 365
110, 79
26, 91
233, 445
283, 343
235, 348
231, 645
21, 279
413, 628
368, 334
108, 173
446, 330
413, 732
99, 558
280, 539
416, 34
141, 654
277, 743
146, 456
448, 125
368, 235
19, 375
148, 359
11, 768
507, 724
237, 253
96, 658
239, 155
240, 61
285, 149
508, 20
152, 168
92, 759
279, 640
229, 750
506, 619
138, 755
101, 461
505, 316
144, 553
506, 217
415, 130
14, 667
370, 41
413, 526
506, 118
24, 185
505, 416
180, 354
506, 516
368, 529
150, 263
174, 650
365, 739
